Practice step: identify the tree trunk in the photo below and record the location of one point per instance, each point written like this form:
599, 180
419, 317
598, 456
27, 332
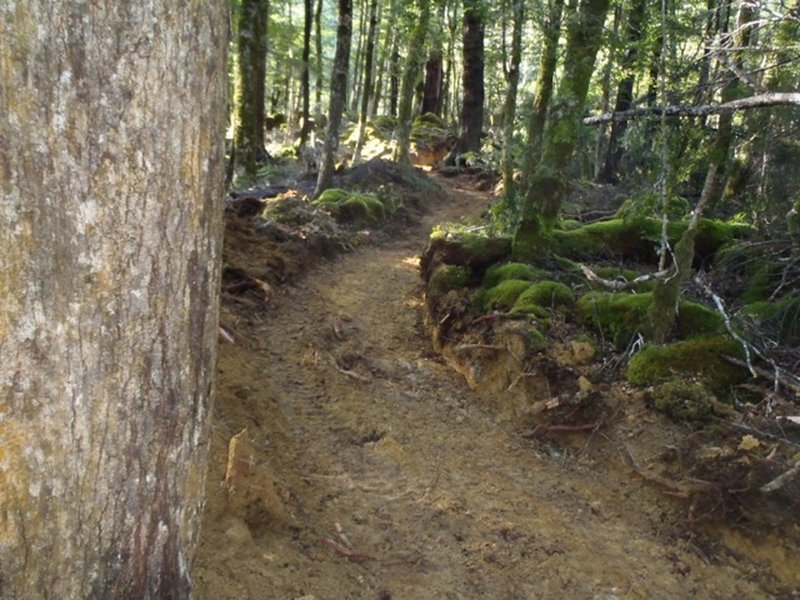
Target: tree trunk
544, 86
111, 146
336, 108
410, 75
318, 65
356, 68
471, 118
249, 134
547, 185
510, 108
367, 91
434, 77
305, 130
394, 76
666, 295
601, 146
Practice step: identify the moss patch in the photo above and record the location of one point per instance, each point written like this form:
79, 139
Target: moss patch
683, 399
781, 317
355, 208
502, 296
621, 316
699, 357
514, 270
446, 278
545, 294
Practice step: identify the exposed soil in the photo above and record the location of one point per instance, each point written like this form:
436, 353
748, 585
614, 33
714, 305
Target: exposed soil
377, 473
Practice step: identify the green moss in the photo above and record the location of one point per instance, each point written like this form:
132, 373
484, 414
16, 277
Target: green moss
538, 341
683, 399
638, 238
353, 207
781, 317
503, 295
546, 294
448, 277
513, 270
627, 275
620, 316
700, 357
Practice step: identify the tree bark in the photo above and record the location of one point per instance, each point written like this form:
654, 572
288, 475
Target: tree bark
510, 108
547, 185
410, 75
544, 85
318, 64
305, 84
471, 118
111, 146
336, 108
434, 77
366, 94
249, 132
609, 172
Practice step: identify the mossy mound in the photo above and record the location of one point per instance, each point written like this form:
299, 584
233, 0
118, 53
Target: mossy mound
620, 316
471, 250
638, 239
686, 400
384, 126
781, 318
513, 270
429, 129
446, 278
502, 296
354, 208
544, 294
699, 357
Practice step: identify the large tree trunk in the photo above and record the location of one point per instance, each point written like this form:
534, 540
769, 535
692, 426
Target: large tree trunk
249, 133
411, 73
471, 118
434, 78
341, 63
546, 186
111, 134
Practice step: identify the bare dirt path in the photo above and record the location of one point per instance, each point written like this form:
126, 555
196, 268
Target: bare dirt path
391, 480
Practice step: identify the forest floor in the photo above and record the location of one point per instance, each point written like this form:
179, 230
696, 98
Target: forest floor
377, 473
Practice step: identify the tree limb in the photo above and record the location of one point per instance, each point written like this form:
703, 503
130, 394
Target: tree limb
680, 110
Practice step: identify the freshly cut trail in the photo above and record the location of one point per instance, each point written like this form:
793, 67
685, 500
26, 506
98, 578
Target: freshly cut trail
391, 479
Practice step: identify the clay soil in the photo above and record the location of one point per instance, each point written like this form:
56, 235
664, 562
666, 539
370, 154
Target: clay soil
380, 475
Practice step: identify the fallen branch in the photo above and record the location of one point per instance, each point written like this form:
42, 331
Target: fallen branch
781, 480
346, 552
757, 101
784, 378
616, 285
562, 428
684, 488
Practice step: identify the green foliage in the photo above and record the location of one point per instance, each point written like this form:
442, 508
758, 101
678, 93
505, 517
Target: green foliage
700, 357
647, 203
620, 316
781, 318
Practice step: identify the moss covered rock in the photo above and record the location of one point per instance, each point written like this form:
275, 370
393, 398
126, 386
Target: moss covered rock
701, 358
470, 250
620, 316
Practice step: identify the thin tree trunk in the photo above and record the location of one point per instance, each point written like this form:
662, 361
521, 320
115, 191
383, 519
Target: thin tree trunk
305, 83
318, 64
471, 118
249, 134
367, 91
394, 76
666, 295
341, 63
110, 230
546, 187
359, 57
410, 75
609, 172
510, 108
544, 85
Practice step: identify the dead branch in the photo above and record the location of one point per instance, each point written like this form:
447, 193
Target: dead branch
781, 479
681, 110
684, 488
346, 552
785, 379
617, 285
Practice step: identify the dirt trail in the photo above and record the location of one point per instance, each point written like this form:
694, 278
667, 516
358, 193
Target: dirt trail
365, 431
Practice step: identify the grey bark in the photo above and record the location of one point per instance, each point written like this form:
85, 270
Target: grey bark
111, 150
